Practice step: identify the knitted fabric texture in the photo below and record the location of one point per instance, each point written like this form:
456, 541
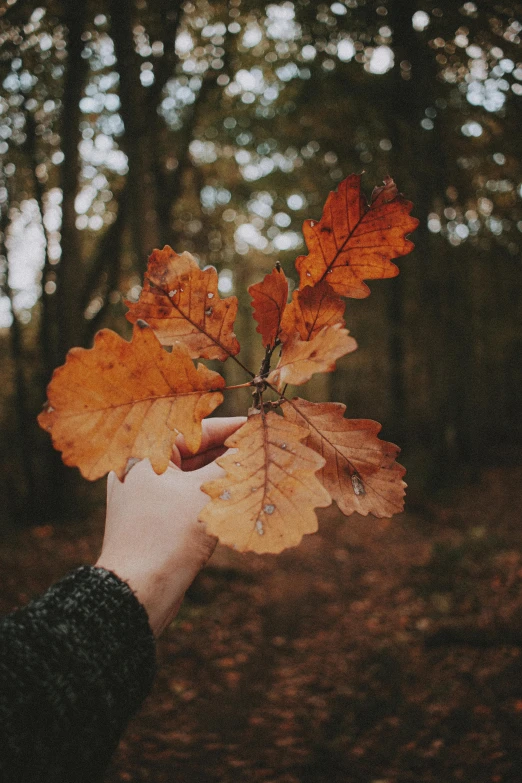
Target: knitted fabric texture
75, 664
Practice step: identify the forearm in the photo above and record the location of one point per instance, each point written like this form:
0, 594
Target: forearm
74, 666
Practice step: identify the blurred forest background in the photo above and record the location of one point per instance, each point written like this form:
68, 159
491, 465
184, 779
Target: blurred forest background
218, 128
366, 654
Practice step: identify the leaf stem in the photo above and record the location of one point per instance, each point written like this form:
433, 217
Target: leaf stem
238, 386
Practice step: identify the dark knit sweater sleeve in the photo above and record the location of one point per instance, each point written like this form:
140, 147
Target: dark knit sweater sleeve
75, 664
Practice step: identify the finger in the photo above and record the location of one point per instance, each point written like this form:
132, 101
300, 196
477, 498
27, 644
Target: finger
200, 460
175, 458
208, 473
215, 433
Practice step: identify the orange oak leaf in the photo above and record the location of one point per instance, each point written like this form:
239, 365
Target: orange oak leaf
269, 302
266, 500
312, 308
355, 241
181, 303
360, 471
119, 402
300, 360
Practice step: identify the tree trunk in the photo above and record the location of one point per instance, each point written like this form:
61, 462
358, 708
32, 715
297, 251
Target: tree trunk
23, 446
69, 271
425, 321
140, 204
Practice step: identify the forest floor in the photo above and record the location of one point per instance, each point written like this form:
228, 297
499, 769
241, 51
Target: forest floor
369, 654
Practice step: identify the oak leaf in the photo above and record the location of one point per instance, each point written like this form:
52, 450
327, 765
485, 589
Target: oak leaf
311, 308
360, 471
266, 501
119, 402
301, 359
355, 241
181, 303
269, 301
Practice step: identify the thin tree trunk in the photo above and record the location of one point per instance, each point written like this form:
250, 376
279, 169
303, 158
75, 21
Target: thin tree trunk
142, 219
24, 444
171, 14
69, 271
106, 261
426, 321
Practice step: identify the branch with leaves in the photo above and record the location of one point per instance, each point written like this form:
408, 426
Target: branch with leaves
120, 402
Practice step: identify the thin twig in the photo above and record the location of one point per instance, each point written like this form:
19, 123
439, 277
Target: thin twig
238, 386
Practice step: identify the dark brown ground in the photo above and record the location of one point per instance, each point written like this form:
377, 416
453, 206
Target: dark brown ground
367, 655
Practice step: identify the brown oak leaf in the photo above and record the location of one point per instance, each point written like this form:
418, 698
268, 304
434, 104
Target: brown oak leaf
355, 241
269, 301
360, 471
266, 501
311, 308
181, 303
119, 402
300, 360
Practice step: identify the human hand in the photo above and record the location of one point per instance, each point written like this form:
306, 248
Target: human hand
153, 540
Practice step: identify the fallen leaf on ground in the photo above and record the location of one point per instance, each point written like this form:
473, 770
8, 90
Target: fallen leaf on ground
181, 303
119, 402
266, 501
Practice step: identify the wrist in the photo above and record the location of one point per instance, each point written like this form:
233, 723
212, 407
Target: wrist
160, 593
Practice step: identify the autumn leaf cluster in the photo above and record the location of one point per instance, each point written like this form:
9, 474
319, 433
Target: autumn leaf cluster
120, 402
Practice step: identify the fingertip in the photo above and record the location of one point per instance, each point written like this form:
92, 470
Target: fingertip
215, 431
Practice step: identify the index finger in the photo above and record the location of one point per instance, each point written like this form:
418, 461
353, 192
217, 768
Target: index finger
215, 433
